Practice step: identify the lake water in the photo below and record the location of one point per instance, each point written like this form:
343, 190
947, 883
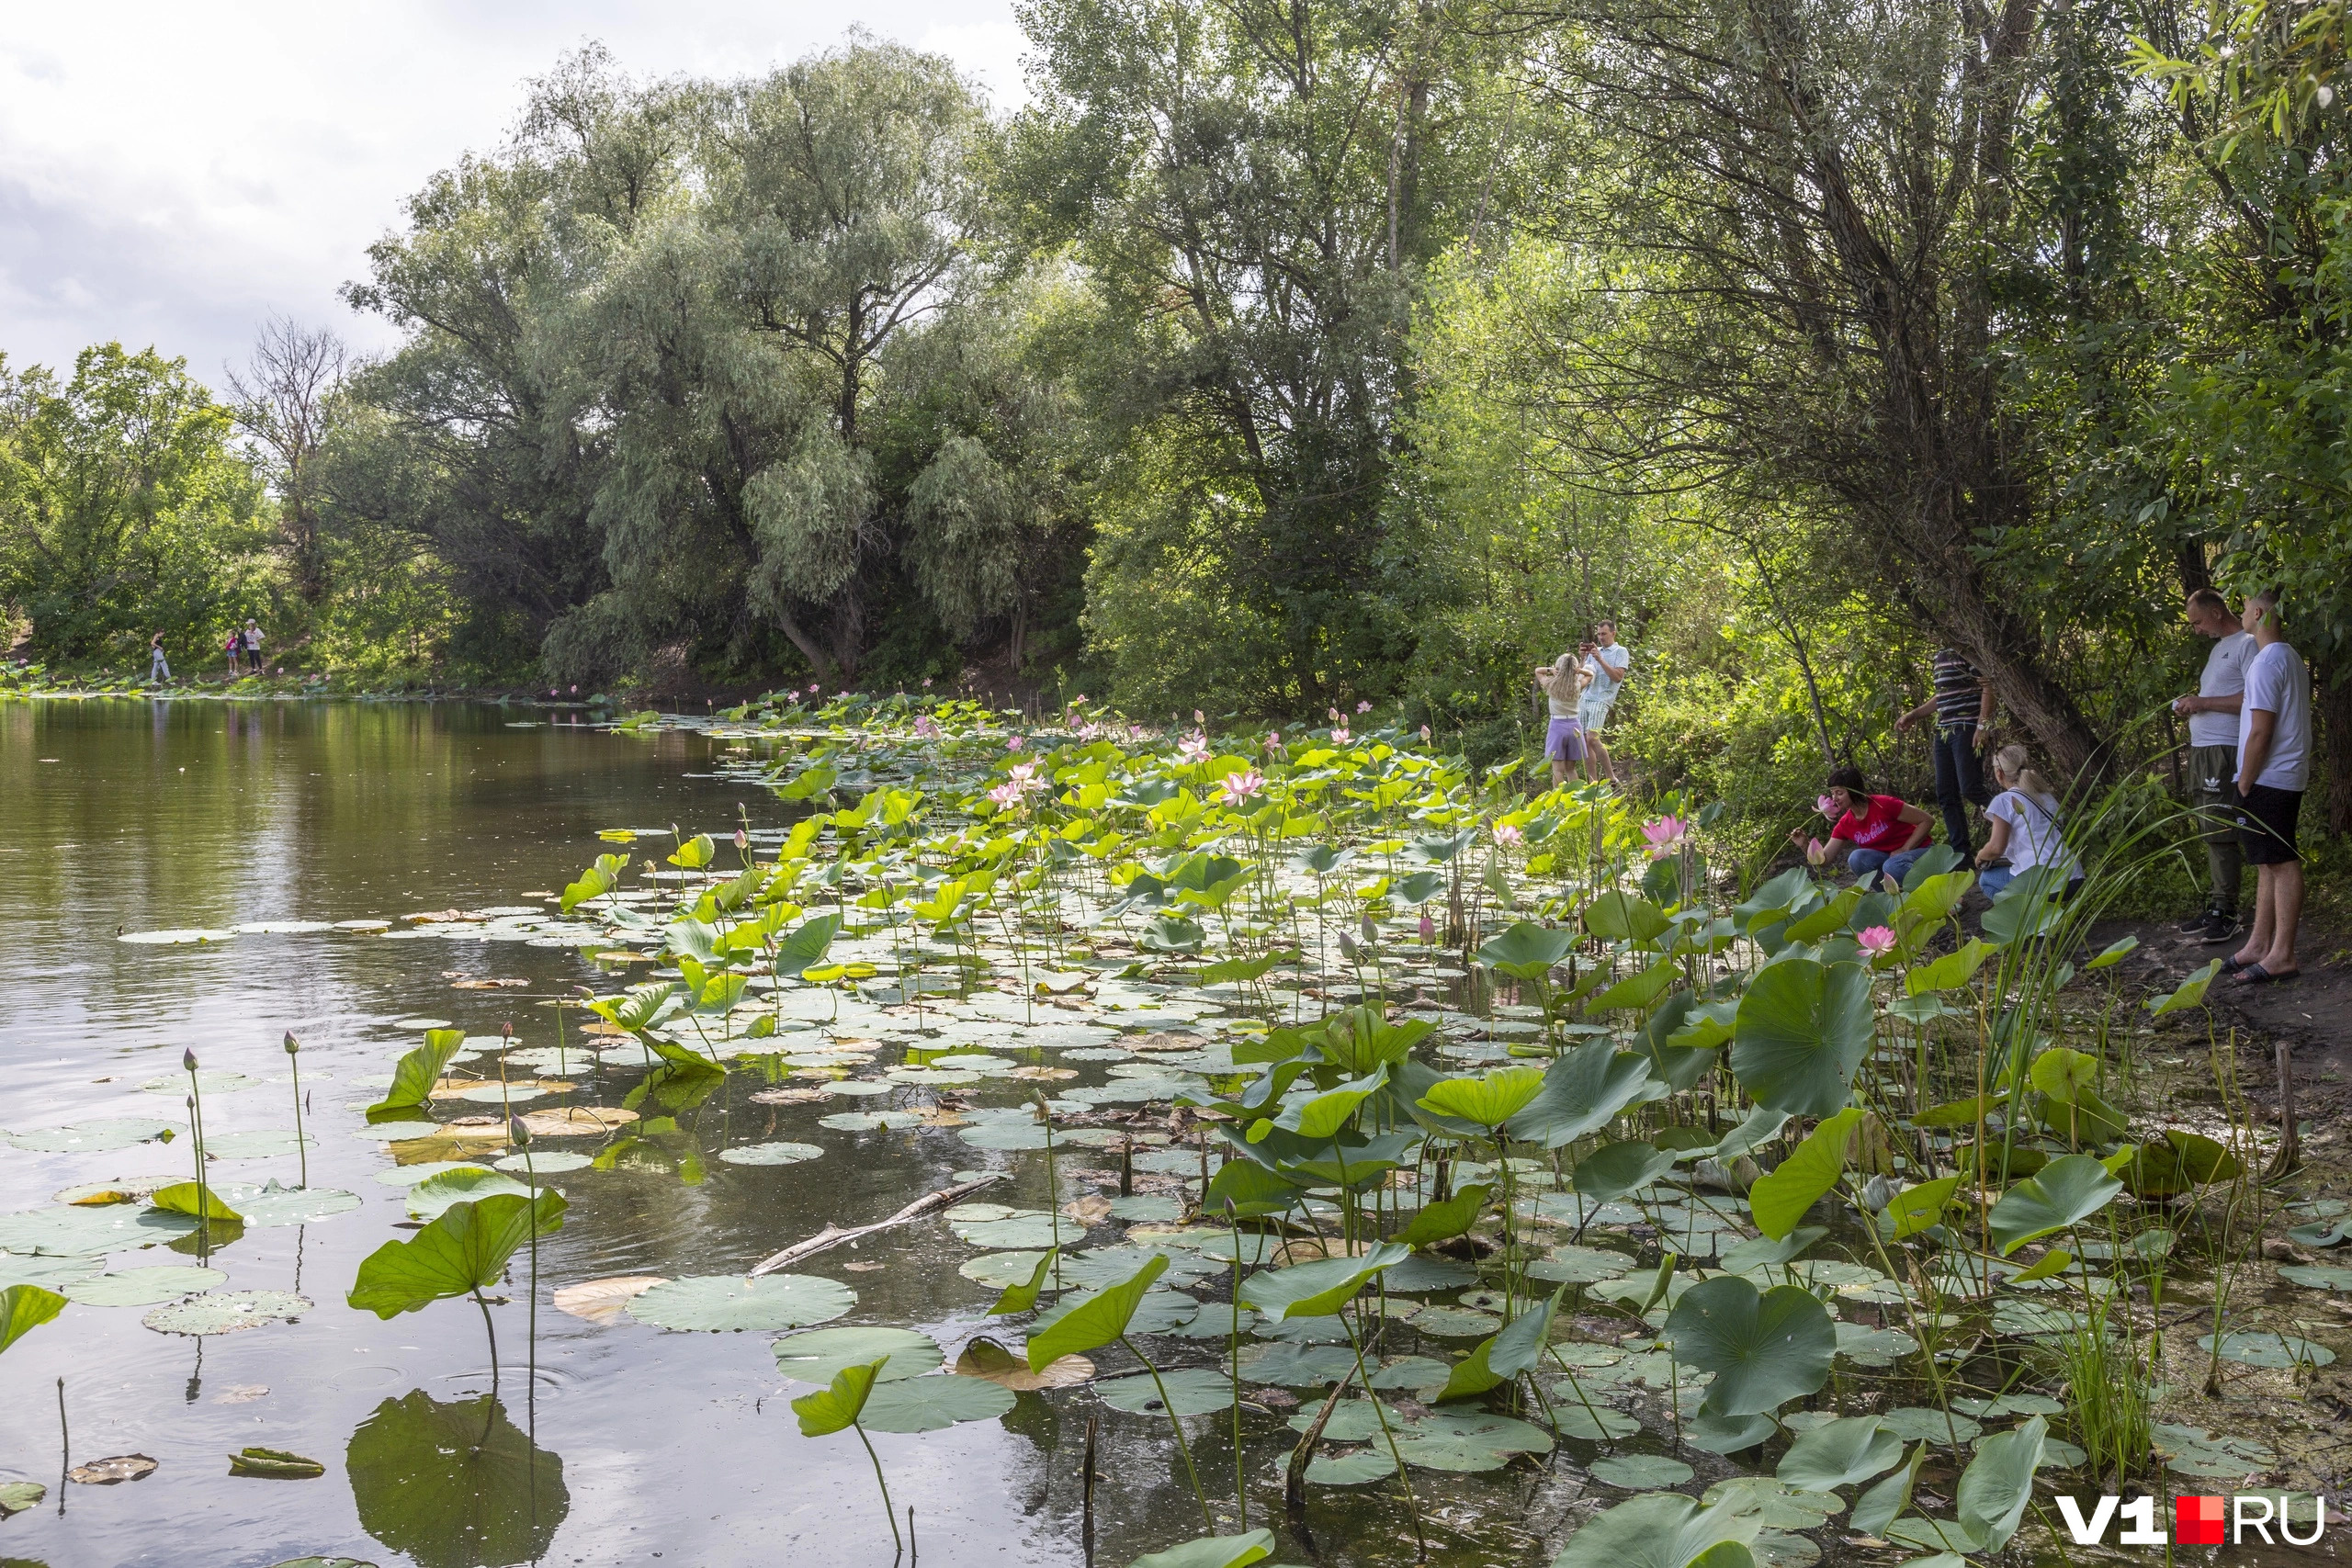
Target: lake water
652, 1444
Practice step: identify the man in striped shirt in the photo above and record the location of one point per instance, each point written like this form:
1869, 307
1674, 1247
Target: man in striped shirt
1962, 704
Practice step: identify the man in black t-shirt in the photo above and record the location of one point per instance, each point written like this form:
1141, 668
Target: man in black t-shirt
1962, 704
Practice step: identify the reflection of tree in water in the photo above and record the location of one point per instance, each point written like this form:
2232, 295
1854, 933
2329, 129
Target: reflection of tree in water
454, 1485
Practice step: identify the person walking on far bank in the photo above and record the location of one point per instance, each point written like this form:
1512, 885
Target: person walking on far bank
1562, 681
233, 647
159, 668
2212, 715
1962, 702
2273, 768
252, 647
1606, 662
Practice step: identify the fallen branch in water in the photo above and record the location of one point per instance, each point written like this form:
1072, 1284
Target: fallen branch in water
833, 1235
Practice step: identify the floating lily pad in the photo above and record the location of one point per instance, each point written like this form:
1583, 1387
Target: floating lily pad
1580, 1266
1005, 1136
1357, 1467
1468, 1442
873, 1121
1422, 1272
1101, 1266
1218, 1320
2264, 1349
816, 1355
1147, 1208
2317, 1276
1030, 1228
260, 1144
208, 1081
1353, 1420
1641, 1472
226, 1312
89, 1137
1779, 1507
770, 1154
857, 1088
1191, 1390
271, 1204
112, 1472
16, 1497
185, 936
1457, 1322
1000, 1271
544, 1162
1303, 1330
108, 1229
1597, 1423
48, 1271
1159, 1312
1916, 1423
145, 1287
2193, 1450
1299, 1366
1869, 1347
605, 1301
729, 1302
932, 1403
1414, 1373
430, 1199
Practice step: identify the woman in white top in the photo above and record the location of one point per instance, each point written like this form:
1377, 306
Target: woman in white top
2022, 827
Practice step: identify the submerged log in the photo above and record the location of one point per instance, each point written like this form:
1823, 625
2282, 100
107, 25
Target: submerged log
833, 1235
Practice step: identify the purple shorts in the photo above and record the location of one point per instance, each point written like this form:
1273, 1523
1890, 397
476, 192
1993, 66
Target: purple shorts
1564, 741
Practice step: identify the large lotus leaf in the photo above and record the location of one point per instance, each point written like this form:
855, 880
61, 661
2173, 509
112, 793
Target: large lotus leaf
816, 1355
1101, 1266
1588, 1423
1160, 1311
1876, 1509
805, 946
1664, 1529
1572, 1265
1191, 1390
1765, 1349
1837, 1453
717, 1303
2065, 1193
1317, 1289
1320, 1118
2027, 908
452, 1486
51, 1271
840, 1402
145, 1287
1768, 1252
1623, 916
464, 1250
1950, 972
226, 1312
24, 1308
416, 1073
1448, 1218
1640, 1473
1018, 1230
1638, 989
88, 1137
1998, 1484
1468, 1442
1356, 1467
112, 1229
2062, 1074
432, 1198
1918, 1208
1802, 1030
1615, 1169
1710, 1433
1527, 951
196, 1198
1300, 1366
1004, 1136
1489, 1100
1094, 1321
770, 1154
1782, 1196
1213, 1551
1584, 1091
934, 1403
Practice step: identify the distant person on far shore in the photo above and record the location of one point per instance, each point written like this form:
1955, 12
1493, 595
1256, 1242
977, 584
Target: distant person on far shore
2022, 831
2212, 715
159, 668
2274, 768
234, 648
1888, 836
1562, 681
252, 647
1606, 662
1962, 701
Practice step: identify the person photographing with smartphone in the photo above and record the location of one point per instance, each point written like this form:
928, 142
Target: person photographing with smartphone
1606, 663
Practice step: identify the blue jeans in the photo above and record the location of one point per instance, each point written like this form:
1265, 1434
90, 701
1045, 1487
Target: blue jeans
1959, 779
1867, 865
1994, 878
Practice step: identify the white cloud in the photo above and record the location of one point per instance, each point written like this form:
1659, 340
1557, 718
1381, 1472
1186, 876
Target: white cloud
171, 175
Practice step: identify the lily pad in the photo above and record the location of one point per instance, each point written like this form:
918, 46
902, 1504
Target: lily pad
603, 1302
542, 1162
88, 1137
186, 936
816, 1355
719, 1303
208, 1081
1218, 1320
16, 1497
51, 1271
260, 1144
1917, 1424
1414, 1373
1191, 1390
1421, 1272
771, 1154
1597, 1423
1641, 1472
1158, 1312
109, 1229
1147, 1208
112, 1472
1000, 1271
1576, 1266
2317, 1276
226, 1312
1468, 1442
1028, 1228
2265, 1348
1357, 1467
932, 1403
1457, 1322
874, 1120
145, 1287
271, 1204
2193, 1450
1299, 1366
1004, 1136
1776, 1506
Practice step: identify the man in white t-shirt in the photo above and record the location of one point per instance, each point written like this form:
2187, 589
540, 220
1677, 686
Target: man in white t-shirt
2274, 767
2212, 715
1606, 660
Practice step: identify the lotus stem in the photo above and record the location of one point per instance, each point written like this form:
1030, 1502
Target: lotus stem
489, 1329
1233, 1361
889, 1514
1380, 1414
1176, 1425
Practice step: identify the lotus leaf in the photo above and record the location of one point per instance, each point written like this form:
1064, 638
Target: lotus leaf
717, 1303
16, 1497
1422, 1272
1842, 1452
1710, 1433
2192, 1450
934, 1403
24, 1308
1089, 1322
814, 1357
1615, 1169
1357, 1467
1317, 1289
145, 1287
1640, 1473
2065, 1193
1470, 1442
1027, 1228
541, 1162
1765, 1349
1589, 1424
195, 1199
1802, 1030
463, 1249
1583, 1092
1490, 1101
1529, 952
1299, 1366
2318, 1277
1213, 1551
1663, 1530
1781, 1198
1950, 972
1774, 1503
2265, 1349
1768, 1252
275, 1464
879, 1120
226, 1312
1191, 1390
90, 1137
415, 1074
51, 1272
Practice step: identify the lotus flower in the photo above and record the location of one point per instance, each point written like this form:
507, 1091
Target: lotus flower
1815, 850
743, 839
1429, 927
1236, 788
1274, 740
1007, 795
1878, 942
1024, 774
1666, 835
812, 688
1012, 743
1079, 701
1826, 806
1508, 833
1425, 735
1364, 707
926, 726
926, 682
1340, 735
1193, 747
1198, 718
1332, 713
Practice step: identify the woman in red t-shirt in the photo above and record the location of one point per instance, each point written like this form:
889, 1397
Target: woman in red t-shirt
1887, 837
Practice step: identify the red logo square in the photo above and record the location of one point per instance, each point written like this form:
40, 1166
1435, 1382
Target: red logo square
2197, 1521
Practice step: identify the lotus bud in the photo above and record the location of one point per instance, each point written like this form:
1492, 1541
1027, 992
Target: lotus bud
292, 1045
187, 1060
517, 1133
506, 1032
1371, 932
1429, 927
743, 839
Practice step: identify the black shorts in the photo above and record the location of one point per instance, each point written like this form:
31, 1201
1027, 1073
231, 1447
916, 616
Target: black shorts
2267, 819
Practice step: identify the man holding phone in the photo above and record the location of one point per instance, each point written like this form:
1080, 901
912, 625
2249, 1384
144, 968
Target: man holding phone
1607, 663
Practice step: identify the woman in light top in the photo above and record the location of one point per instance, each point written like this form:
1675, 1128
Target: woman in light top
1563, 681
2022, 827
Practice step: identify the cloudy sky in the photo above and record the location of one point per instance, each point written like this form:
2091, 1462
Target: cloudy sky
172, 174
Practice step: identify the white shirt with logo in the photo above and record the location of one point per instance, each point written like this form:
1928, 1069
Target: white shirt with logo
2224, 676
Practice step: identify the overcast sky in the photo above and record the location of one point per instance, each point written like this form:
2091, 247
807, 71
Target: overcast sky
172, 174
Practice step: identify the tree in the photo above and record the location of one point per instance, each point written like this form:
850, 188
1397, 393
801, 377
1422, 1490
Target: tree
284, 398
124, 508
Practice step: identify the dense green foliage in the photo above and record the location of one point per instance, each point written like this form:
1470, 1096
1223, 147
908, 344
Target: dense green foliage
1275, 358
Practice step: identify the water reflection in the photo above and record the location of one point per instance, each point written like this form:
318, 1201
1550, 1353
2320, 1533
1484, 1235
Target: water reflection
455, 1484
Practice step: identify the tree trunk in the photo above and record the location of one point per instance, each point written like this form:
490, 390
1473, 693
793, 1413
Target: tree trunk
2334, 695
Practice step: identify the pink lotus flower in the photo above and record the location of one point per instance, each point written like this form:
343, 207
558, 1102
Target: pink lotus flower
1666, 835
1425, 735
743, 839
1815, 850
1364, 707
812, 688
1877, 941
1332, 713
1508, 833
1340, 735
1198, 719
926, 682
1274, 740
1236, 788
1193, 747
1024, 774
1007, 795
1429, 927
1079, 701
1826, 806
926, 726
1012, 743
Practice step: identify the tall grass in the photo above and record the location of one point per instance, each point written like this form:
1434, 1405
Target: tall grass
2106, 1398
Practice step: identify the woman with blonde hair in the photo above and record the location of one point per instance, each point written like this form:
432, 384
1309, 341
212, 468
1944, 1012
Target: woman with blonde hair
2022, 831
1563, 681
